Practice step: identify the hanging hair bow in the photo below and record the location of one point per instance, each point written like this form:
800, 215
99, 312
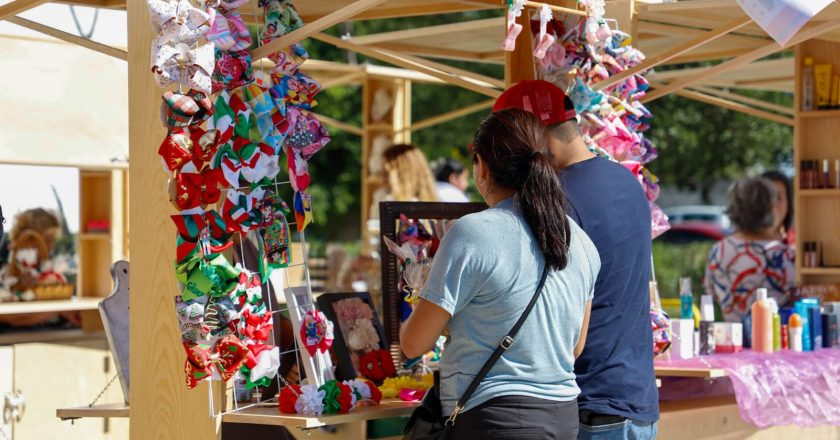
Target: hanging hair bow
226, 356
513, 28
178, 148
192, 228
316, 332
221, 316
299, 89
180, 64
229, 32
288, 60
257, 326
306, 134
249, 289
233, 70
545, 40
229, 109
191, 318
194, 189
281, 17
180, 110
303, 210
201, 276
242, 211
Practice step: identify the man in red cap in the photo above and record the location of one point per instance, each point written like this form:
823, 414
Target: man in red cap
618, 398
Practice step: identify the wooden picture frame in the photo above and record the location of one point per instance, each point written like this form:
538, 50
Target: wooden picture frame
343, 354
389, 214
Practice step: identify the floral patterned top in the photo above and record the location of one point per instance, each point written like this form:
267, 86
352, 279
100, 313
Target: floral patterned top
737, 267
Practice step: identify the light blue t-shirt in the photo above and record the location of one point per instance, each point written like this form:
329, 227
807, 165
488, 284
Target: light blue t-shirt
484, 274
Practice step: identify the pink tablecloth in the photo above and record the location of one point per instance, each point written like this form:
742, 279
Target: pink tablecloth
782, 388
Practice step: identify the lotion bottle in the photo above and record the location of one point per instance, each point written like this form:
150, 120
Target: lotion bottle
762, 323
795, 332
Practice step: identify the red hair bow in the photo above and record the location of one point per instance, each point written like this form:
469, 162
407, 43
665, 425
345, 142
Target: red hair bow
197, 189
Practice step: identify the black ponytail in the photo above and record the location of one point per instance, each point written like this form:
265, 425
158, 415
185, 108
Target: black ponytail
514, 145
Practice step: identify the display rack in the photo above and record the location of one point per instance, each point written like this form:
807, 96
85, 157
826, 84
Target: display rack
815, 134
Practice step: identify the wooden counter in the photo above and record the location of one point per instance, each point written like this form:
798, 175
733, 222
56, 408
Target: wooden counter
269, 415
119, 410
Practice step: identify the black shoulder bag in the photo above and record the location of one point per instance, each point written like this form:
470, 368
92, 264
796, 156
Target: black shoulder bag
426, 422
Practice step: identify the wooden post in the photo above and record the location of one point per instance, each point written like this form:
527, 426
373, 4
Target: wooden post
161, 406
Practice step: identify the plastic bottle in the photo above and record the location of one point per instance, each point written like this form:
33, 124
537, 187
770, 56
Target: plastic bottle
686, 299
762, 323
795, 332
808, 84
777, 324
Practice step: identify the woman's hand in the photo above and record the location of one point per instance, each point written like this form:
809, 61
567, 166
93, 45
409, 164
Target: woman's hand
422, 329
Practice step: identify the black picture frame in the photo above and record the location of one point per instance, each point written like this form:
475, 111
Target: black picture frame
344, 368
389, 213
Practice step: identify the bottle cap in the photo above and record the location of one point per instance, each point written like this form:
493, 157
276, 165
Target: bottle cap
774, 306
761, 294
795, 321
685, 284
707, 308
809, 61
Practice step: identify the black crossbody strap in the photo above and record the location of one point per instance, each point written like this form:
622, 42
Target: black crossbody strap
506, 343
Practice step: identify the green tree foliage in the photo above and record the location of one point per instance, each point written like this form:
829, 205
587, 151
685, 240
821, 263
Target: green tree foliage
700, 144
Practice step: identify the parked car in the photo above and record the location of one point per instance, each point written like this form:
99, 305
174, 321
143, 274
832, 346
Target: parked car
696, 223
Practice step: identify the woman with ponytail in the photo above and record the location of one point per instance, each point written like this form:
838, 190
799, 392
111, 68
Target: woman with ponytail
485, 273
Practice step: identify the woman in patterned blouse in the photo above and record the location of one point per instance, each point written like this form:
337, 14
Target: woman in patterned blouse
752, 257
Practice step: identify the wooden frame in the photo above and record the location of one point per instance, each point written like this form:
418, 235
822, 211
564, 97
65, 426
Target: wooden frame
389, 214
70, 38
342, 353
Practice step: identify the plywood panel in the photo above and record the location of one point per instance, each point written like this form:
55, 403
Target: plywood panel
86, 367
161, 406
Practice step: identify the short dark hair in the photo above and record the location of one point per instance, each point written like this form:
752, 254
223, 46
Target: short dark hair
445, 168
566, 131
750, 204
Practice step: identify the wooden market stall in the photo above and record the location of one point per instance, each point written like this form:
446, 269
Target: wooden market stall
669, 33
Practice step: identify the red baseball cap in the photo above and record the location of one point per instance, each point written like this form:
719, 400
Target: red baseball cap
541, 98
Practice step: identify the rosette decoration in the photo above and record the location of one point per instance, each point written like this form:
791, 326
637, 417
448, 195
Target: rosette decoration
222, 154
333, 397
585, 53
316, 332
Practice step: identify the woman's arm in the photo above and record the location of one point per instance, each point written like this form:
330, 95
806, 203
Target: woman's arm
423, 328
584, 329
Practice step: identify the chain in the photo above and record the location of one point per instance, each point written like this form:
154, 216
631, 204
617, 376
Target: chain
104, 390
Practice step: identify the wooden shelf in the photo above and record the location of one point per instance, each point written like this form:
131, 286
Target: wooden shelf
95, 236
820, 114
70, 305
819, 192
820, 271
700, 373
105, 410
269, 415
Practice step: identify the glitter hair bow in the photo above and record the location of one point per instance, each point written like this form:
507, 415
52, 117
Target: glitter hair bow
316, 332
183, 65
179, 148
306, 134
194, 189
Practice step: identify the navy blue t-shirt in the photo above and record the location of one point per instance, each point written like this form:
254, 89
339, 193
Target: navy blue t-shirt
615, 372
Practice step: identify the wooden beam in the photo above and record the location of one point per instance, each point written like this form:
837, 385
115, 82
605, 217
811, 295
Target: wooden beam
161, 406
428, 31
804, 35
675, 52
708, 56
738, 107
448, 116
345, 79
670, 30
745, 100
557, 9
315, 27
70, 38
685, 5
409, 62
495, 82
340, 125
433, 52
15, 7
411, 9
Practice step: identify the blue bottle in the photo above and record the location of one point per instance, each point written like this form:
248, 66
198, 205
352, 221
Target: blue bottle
686, 299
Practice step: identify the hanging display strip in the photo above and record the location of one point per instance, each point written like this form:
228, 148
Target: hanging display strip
230, 137
575, 53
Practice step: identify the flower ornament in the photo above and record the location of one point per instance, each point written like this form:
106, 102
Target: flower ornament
338, 397
368, 392
288, 397
362, 336
377, 365
310, 401
316, 332
183, 65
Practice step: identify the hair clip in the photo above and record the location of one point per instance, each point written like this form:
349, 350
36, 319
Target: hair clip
545, 40
316, 332
194, 189
192, 227
513, 28
303, 210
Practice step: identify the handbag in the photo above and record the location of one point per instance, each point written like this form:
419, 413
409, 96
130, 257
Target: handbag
426, 421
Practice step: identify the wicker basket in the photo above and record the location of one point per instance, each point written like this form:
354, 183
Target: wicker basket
53, 292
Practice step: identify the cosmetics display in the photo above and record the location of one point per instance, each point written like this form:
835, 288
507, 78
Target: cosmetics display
820, 86
812, 254
817, 174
